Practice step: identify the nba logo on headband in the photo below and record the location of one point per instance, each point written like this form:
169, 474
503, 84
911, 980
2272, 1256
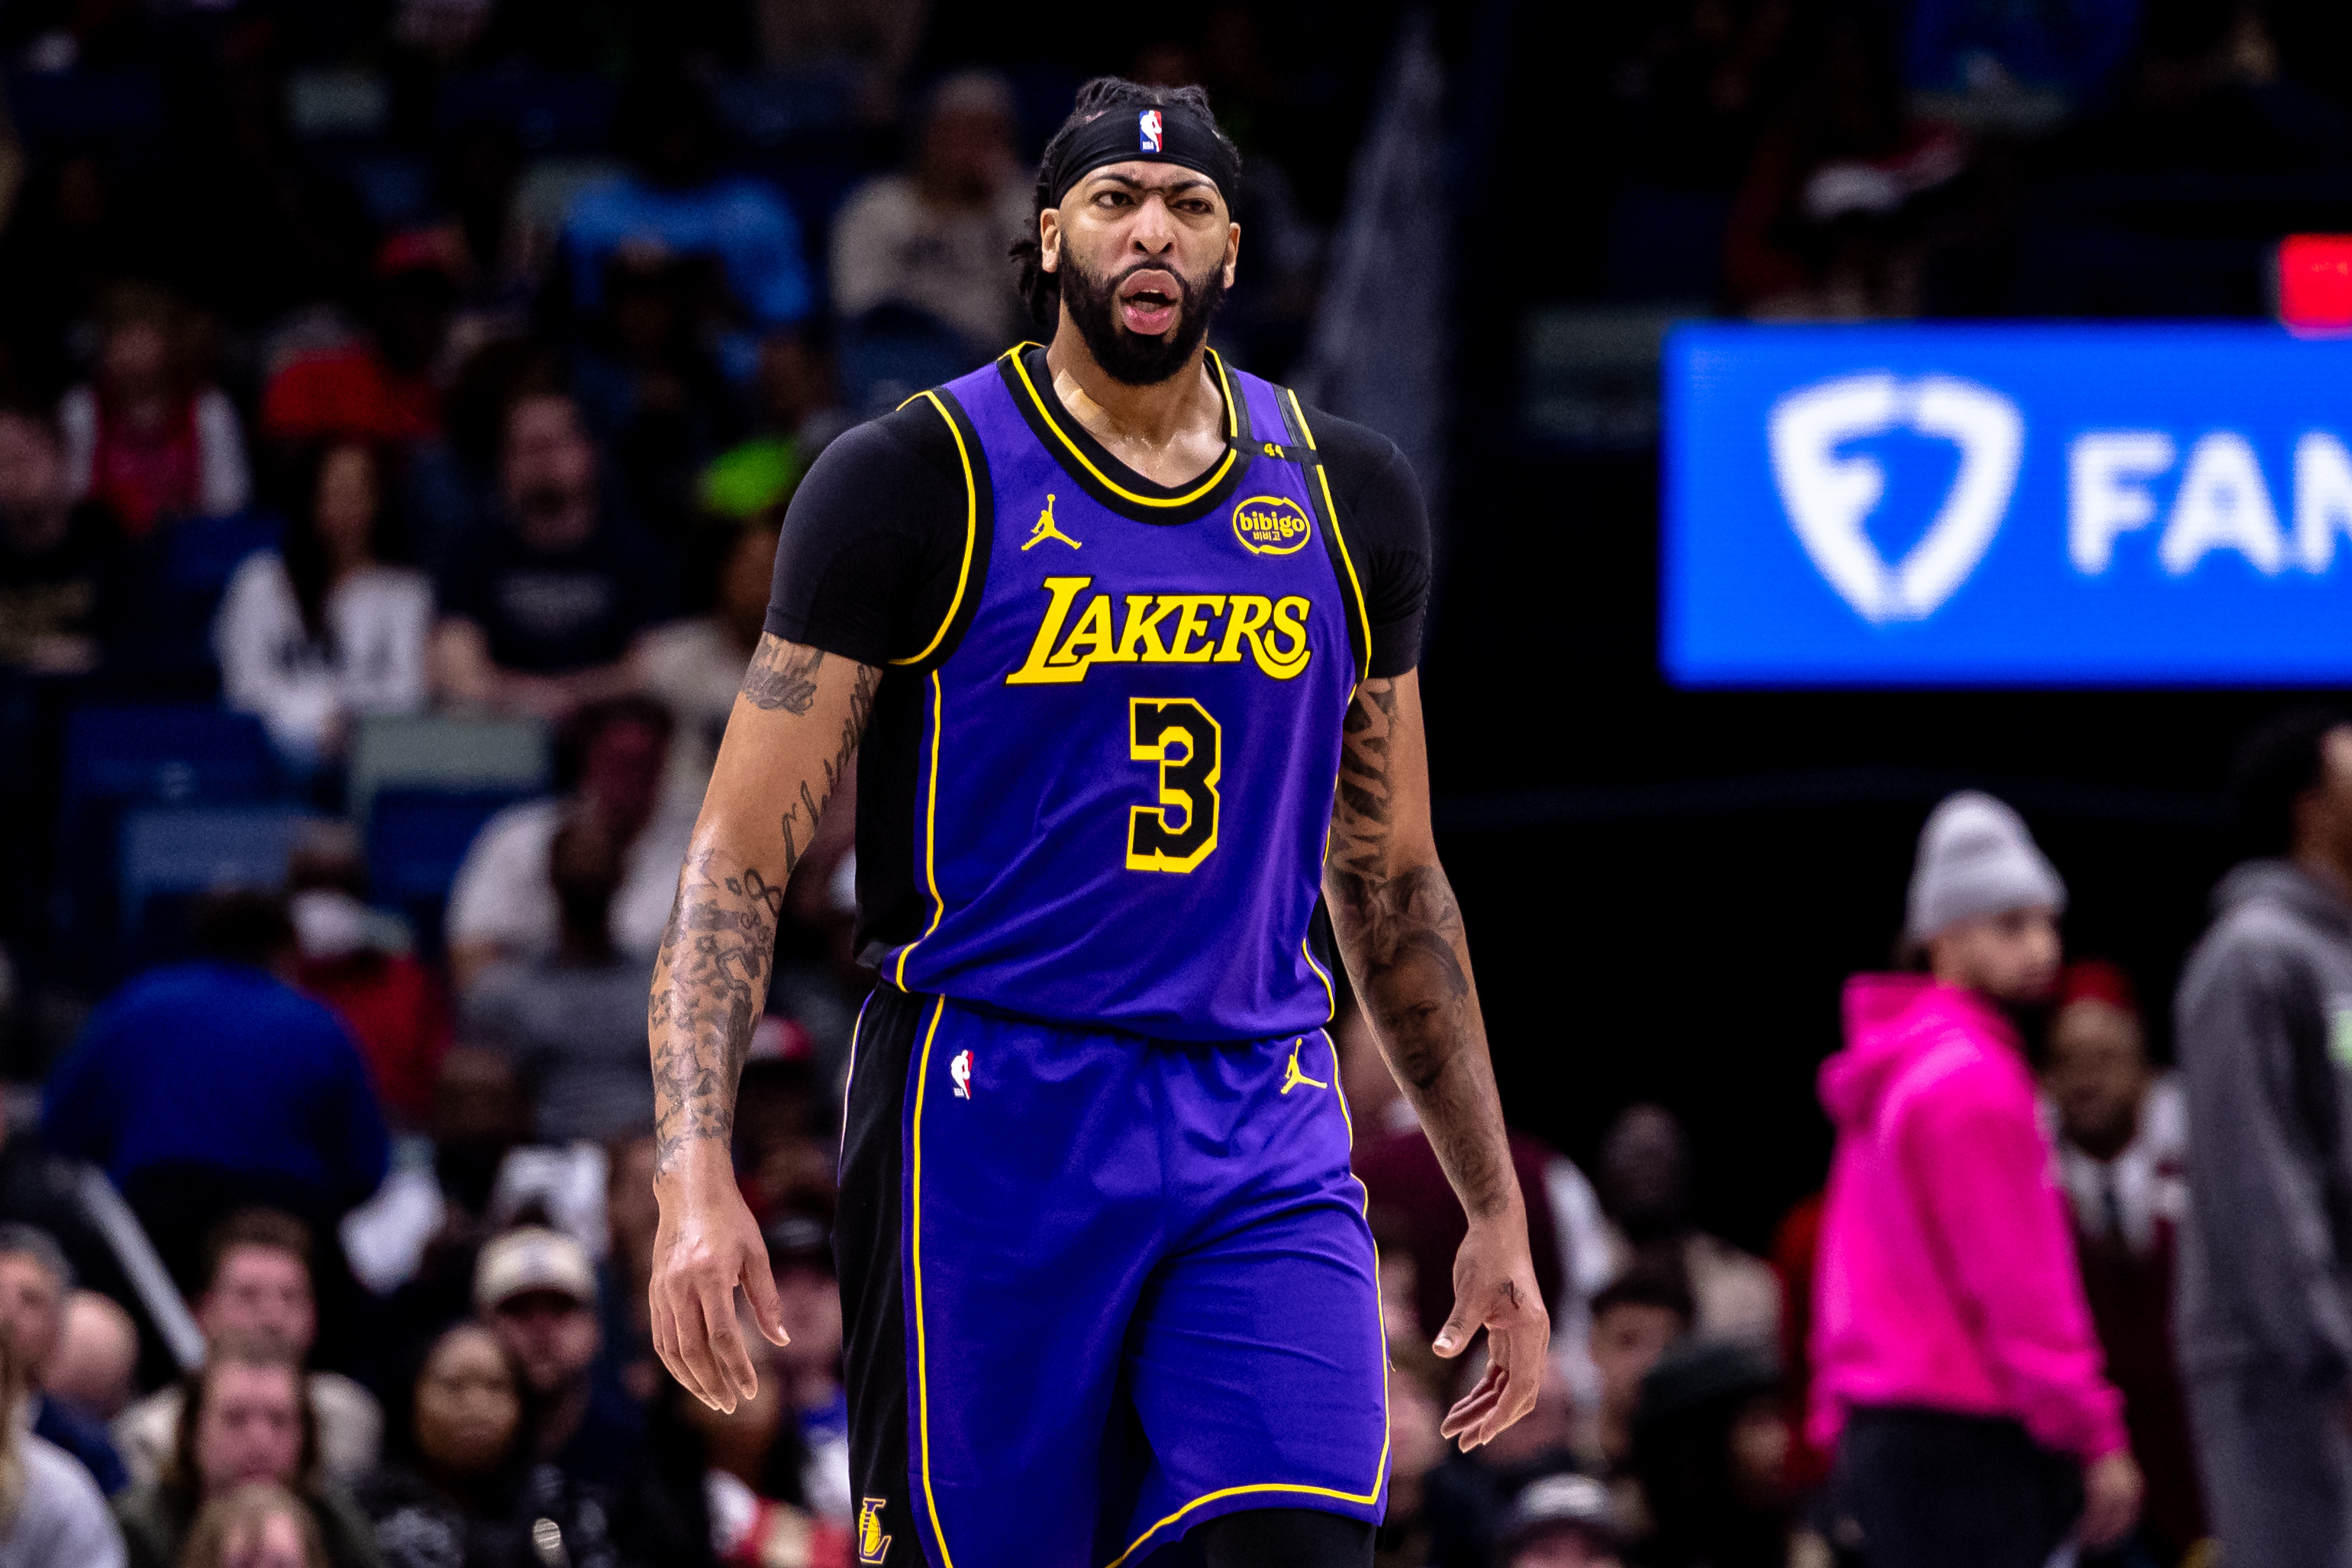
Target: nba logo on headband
1148, 123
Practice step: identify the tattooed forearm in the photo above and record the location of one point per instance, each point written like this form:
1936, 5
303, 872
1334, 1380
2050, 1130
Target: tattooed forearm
801, 816
710, 978
782, 675
1400, 931
711, 981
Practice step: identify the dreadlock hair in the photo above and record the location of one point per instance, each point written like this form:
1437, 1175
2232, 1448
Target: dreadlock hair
1041, 289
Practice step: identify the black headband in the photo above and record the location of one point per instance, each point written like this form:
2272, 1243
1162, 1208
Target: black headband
1167, 133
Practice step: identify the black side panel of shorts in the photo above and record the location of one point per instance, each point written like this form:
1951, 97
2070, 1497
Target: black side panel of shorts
869, 1250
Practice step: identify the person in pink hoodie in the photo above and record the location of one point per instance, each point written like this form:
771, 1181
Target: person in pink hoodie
1957, 1376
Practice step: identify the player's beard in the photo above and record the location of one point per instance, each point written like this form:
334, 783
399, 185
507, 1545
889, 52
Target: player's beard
1093, 304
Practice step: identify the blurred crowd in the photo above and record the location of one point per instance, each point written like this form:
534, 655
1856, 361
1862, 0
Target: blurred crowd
1833, 160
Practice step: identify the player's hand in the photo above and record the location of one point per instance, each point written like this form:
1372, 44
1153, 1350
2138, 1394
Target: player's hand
1495, 1289
2111, 1494
707, 1245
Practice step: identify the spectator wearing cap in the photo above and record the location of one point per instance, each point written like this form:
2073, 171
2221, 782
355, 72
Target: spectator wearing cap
96, 1365
147, 436
573, 1021
207, 1087
324, 630
259, 1291
1561, 1521
2264, 1307
503, 904
35, 1281
2123, 1157
1955, 1367
244, 1421
933, 240
1711, 1447
542, 606
381, 388
536, 1290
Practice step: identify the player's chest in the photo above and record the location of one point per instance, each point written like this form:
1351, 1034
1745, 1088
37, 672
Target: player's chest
1076, 592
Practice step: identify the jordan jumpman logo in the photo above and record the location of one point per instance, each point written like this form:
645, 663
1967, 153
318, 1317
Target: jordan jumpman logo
1046, 528
1293, 1078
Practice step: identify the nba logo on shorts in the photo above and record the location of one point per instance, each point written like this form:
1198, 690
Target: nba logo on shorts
1148, 123
960, 1070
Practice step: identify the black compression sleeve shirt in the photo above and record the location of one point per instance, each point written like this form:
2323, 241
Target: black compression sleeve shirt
873, 539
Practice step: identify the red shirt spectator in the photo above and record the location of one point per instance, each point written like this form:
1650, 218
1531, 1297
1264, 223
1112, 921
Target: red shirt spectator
379, 388
144, 436
350, 391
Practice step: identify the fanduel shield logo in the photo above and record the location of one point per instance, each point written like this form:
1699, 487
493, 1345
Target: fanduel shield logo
1830, 495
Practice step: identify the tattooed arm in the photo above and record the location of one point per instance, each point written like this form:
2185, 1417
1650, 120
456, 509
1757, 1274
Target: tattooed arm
790, 741
1400, 933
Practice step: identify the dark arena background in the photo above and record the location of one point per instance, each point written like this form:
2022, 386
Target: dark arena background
1822, 405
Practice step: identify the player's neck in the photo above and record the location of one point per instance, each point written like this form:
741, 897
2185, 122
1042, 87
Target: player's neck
1145, 427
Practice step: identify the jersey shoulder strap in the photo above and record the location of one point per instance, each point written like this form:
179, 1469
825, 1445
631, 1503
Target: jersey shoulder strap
1298, 449
979, 520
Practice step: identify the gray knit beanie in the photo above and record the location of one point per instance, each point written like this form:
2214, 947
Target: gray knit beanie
1976, 858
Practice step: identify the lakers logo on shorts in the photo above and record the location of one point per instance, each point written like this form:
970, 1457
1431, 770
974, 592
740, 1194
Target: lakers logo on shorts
1270, 525
872, 1544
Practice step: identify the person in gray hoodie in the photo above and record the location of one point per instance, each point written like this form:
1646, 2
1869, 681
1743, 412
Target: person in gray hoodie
2265, 1027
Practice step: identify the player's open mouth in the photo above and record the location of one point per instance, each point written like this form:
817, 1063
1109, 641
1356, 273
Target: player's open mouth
1147, 302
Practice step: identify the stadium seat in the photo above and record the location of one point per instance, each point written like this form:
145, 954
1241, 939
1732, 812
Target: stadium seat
508, 757
175, 753
173, 853
184, 575
122, 756
416, 839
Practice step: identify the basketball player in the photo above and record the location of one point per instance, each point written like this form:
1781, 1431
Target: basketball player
1121, 639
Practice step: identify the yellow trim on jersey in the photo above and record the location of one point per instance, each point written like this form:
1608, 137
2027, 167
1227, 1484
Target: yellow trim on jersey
1209, 482
1331, 510
970, 531
1379, 1334
930, 833
922, 1364
849, 1077
1329, 995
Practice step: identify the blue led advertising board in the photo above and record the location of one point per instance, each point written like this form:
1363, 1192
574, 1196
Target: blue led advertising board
2007, 505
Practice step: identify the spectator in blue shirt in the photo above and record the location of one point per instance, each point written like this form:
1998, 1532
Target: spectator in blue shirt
210, 1086
677, 204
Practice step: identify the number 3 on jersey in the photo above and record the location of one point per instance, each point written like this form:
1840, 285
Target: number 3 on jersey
1179, 833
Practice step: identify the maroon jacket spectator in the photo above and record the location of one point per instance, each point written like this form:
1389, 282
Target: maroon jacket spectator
2122, 1148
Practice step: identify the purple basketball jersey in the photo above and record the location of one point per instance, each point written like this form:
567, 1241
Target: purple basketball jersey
1128, 760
